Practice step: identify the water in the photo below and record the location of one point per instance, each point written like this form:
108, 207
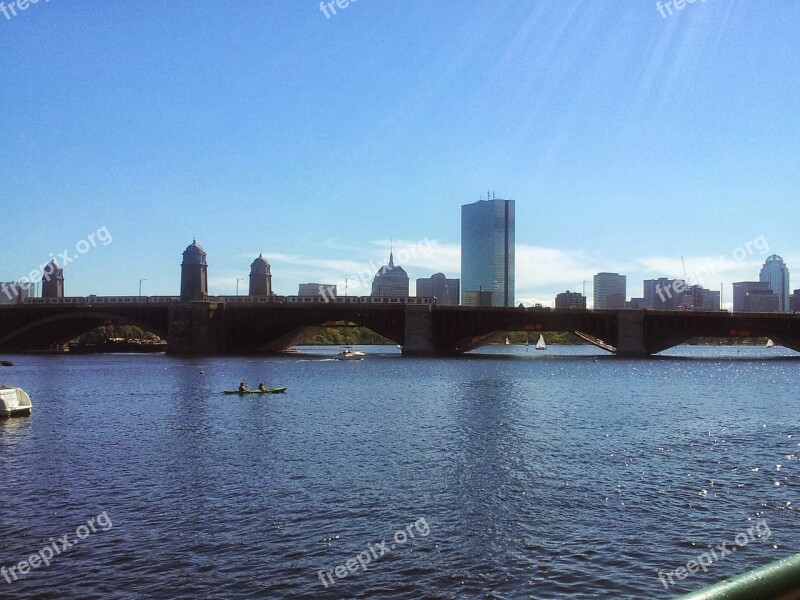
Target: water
511, 473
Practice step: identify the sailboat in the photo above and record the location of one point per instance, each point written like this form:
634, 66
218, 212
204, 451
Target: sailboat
770, 343
508, 342
540, 345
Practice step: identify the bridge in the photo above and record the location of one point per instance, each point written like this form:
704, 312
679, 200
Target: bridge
224, 326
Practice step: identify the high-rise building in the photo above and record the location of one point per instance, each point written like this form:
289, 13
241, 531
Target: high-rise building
14, 292
710, 299
794, 301
390, 281
776, 274
53, 281
761, 301
609, 290
487, 253
663, 293
743, 290
570, 300
194, 274
260, 278
446, 291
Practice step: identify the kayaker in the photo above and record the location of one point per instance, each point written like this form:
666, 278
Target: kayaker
243, 386
262, 387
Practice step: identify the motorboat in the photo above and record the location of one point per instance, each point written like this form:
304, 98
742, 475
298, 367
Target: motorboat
14, 401
350, 354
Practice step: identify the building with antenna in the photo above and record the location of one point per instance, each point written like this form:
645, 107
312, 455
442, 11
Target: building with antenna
390, 281
487, 252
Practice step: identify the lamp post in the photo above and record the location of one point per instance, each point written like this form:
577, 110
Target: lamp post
238, 279
140, 286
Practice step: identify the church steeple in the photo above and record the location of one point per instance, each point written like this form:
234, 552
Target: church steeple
391, 255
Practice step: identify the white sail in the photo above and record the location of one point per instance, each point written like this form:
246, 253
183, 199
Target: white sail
770, 343
540, 345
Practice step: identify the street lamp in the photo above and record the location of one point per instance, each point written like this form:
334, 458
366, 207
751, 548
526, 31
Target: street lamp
238, 279
140, 286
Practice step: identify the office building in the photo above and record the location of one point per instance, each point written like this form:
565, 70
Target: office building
390, 281
446, 291
14, 292
570, 300
321, 290
744, 290
260, 278
487, 253
794, 301
609, 290
776, 274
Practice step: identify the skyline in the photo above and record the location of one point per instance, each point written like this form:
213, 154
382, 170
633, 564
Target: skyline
627, 140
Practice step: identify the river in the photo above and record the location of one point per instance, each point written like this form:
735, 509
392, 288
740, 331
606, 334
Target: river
508, 473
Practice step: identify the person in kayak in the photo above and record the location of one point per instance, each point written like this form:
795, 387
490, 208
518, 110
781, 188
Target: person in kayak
262, 387
243, 386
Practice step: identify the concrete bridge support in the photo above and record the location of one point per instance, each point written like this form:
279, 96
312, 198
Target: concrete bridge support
630, 334
195, 329
418, 331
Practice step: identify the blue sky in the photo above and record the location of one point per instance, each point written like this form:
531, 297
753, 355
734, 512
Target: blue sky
627, 139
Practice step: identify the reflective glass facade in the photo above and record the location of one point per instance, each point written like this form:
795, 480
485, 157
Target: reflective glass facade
487, 253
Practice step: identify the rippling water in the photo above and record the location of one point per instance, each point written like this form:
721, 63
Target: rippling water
512, 474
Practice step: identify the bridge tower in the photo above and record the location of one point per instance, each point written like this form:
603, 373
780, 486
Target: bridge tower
53, 281
194, 274
260, 277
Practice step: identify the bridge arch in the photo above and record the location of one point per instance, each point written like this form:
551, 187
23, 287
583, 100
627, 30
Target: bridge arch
61, 327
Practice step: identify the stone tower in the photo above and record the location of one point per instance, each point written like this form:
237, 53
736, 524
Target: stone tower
260, 277
194, 274
53, 281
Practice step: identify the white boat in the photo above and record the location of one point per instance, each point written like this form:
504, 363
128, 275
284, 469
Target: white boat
540, 345
14, 402
350, 354
770, 343
508, 342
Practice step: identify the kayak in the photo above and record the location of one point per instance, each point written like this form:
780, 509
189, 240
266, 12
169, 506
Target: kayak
277, 390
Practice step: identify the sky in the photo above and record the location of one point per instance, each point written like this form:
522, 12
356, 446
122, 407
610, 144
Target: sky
628, 138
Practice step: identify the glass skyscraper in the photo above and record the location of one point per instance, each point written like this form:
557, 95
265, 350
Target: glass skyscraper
487, 253
609, 290
776, 274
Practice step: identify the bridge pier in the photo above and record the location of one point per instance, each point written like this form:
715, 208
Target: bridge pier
418, 338
630, 334
195, 329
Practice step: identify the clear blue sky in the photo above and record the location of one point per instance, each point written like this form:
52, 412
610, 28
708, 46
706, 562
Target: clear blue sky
627, 139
